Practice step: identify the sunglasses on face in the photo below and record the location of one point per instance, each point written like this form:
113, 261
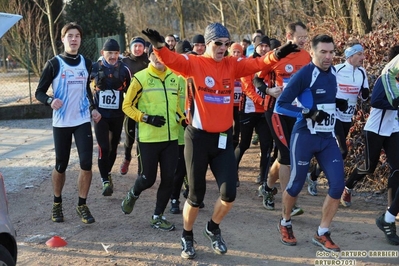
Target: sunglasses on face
217, 43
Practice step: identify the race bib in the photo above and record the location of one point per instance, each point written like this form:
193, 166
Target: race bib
109, 99
327, 125
237, 94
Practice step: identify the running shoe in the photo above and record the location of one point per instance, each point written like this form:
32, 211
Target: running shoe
346, 198
124, 167
128, 202
217, 241
255, 139
174, 209
84, 213
287, 235
160, 222
108, 187
296, 210
187, 247
312, 185
268, 197
325, 242
389, 230
57, 215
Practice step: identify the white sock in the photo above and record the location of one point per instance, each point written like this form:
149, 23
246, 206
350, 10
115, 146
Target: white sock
155, 216
389, 218
284, 222
322, 231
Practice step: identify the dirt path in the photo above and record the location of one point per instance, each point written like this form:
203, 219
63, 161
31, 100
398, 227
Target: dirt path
249, 230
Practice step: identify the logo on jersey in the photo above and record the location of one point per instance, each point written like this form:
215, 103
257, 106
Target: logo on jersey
289, 68
151, 82
209, 82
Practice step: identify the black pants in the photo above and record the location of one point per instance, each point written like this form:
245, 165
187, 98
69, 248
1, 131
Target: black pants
63, 141
374, 143
108, 135
149, 155
180, 173
202, 150
256, 121
130, 133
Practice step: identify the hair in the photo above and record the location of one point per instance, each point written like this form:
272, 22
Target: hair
291, 27
321, 38
246, 41
71, 25
171, 35
259, 31
394, 51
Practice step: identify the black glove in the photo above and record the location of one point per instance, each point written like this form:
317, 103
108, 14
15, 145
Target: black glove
156, 39
184, 123
259, 84
317, 116
156, 120
395, 103
365, 93
285, 50
341, 104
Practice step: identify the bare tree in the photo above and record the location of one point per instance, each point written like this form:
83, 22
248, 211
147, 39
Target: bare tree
51, 21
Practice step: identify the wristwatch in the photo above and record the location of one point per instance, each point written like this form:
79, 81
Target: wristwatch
49, 100
145, 118
305, 111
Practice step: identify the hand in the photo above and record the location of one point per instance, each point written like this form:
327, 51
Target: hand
285, 50
365, 93
341, 104
317, 116
275, 91
259, 84
56, 104
156, 39
156, 120
96, 115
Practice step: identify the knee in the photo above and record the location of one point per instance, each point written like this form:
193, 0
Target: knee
61, 166
335, 191
86, 165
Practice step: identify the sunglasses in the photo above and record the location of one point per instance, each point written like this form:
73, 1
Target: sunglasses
217, 43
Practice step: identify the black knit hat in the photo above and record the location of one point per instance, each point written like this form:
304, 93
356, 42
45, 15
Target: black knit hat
183, 47
111, 45
198, 39
261, 40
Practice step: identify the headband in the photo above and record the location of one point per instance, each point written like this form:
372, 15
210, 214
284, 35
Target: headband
353, 50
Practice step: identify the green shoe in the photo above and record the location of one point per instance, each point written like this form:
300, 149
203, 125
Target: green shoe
84, 213
108, 187
57, 215
160, 222
128, 202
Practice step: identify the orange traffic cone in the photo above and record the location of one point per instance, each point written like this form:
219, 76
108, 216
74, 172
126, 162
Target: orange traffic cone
56, 242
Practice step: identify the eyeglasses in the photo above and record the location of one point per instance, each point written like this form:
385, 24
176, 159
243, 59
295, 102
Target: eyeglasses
217, 43
302, 38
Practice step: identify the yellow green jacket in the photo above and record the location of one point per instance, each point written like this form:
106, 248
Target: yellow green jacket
154, 92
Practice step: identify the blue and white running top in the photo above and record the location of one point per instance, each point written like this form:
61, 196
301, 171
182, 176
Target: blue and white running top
314, 89
70, 86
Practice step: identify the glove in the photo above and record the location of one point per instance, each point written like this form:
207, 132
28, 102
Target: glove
365, 93
156, 39
156, 120
285, 50
395, 103
184, 123
259, 84
317, 116
274, 92
341, 104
